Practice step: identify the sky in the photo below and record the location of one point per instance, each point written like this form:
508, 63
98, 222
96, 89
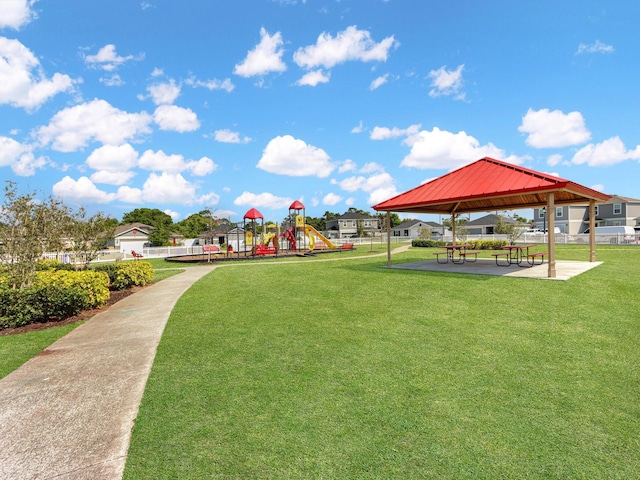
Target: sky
231, 105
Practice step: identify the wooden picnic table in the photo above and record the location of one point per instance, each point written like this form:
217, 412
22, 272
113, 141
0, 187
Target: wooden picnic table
462, 251
516, 254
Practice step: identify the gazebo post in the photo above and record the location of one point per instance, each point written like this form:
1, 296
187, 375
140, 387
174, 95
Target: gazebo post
592, 230
551, 236
388, 224
453, 227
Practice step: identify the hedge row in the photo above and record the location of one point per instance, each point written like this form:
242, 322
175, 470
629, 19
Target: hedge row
123, 275
54, 295
58, 293
475, 244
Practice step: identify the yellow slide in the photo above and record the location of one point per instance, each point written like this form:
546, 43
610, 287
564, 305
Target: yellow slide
327, 242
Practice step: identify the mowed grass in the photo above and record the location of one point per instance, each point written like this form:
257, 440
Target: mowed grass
348, 370
16, 349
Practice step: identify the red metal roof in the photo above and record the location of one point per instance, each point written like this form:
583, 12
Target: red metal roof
253, 214
297, 205
489, 184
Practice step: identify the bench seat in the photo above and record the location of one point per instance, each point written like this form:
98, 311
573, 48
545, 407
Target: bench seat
497, 255
531, 258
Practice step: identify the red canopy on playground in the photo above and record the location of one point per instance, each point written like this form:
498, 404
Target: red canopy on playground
253, 214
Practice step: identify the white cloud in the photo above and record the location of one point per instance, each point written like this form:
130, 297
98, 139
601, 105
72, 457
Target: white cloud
228, 136
22, 82
81, 191
358, 128
168, 189
378, 82
313, 78
554, 160
113, 164
380, 185
597, 47
446, 150
384, 133
554, 129
159, 161
347, 166
19, 157
372, 167
178, 119
331, 199
164, 93
605, 154
174, 215
16, 13
72, 128
447, 82
130, 195
265, 199
349, 45
285, 155
202, 167
214, 84
112, 81
107, 59
266, 57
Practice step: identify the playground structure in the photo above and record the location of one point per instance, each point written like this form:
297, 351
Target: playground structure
292, 237
298, 237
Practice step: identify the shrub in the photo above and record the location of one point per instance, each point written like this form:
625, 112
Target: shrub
123, 275
94, 284
421, 242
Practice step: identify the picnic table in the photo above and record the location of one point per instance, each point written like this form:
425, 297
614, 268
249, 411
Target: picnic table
519, 255
462, 251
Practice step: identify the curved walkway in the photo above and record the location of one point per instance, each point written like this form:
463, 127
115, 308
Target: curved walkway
68, 412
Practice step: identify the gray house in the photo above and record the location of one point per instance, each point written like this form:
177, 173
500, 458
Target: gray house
350, 224
412, 229
574, 219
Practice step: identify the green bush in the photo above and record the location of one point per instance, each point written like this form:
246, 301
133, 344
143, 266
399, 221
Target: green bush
421, 242
94, 284
123, 275
40, 304
44, 265
475, 244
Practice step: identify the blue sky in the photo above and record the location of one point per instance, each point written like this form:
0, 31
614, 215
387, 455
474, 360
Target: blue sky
233, 105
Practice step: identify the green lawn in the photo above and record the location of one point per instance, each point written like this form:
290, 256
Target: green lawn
348, 370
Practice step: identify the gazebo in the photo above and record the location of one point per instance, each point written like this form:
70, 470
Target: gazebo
488, 185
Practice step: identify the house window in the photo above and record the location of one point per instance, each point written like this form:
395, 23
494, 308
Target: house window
617, 208
353, 223
344, 224
596, 210
541, 212
406, 233
558, 212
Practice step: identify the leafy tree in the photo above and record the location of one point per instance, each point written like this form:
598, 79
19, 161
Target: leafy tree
425, 233
394, 219
28, 228
318, 223
89, 235
161, 222
195, 224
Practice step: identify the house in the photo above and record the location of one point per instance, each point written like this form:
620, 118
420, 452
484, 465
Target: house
574, 219
352, 224
487, 225
132, 236
225, 233
413, 228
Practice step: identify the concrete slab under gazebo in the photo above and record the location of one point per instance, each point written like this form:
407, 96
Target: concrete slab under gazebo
489, 185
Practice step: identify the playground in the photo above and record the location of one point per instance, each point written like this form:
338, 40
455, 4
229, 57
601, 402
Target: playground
293, 237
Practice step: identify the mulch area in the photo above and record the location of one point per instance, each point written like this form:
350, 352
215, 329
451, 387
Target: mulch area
114, 298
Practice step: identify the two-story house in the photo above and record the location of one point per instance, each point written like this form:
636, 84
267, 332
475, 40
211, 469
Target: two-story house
352, 224
574, 219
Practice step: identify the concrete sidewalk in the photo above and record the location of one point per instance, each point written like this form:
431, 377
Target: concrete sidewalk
68, 412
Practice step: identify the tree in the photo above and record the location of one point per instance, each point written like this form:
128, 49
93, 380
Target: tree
89, 235
28, 228
394, 219
197, 223
160, 221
